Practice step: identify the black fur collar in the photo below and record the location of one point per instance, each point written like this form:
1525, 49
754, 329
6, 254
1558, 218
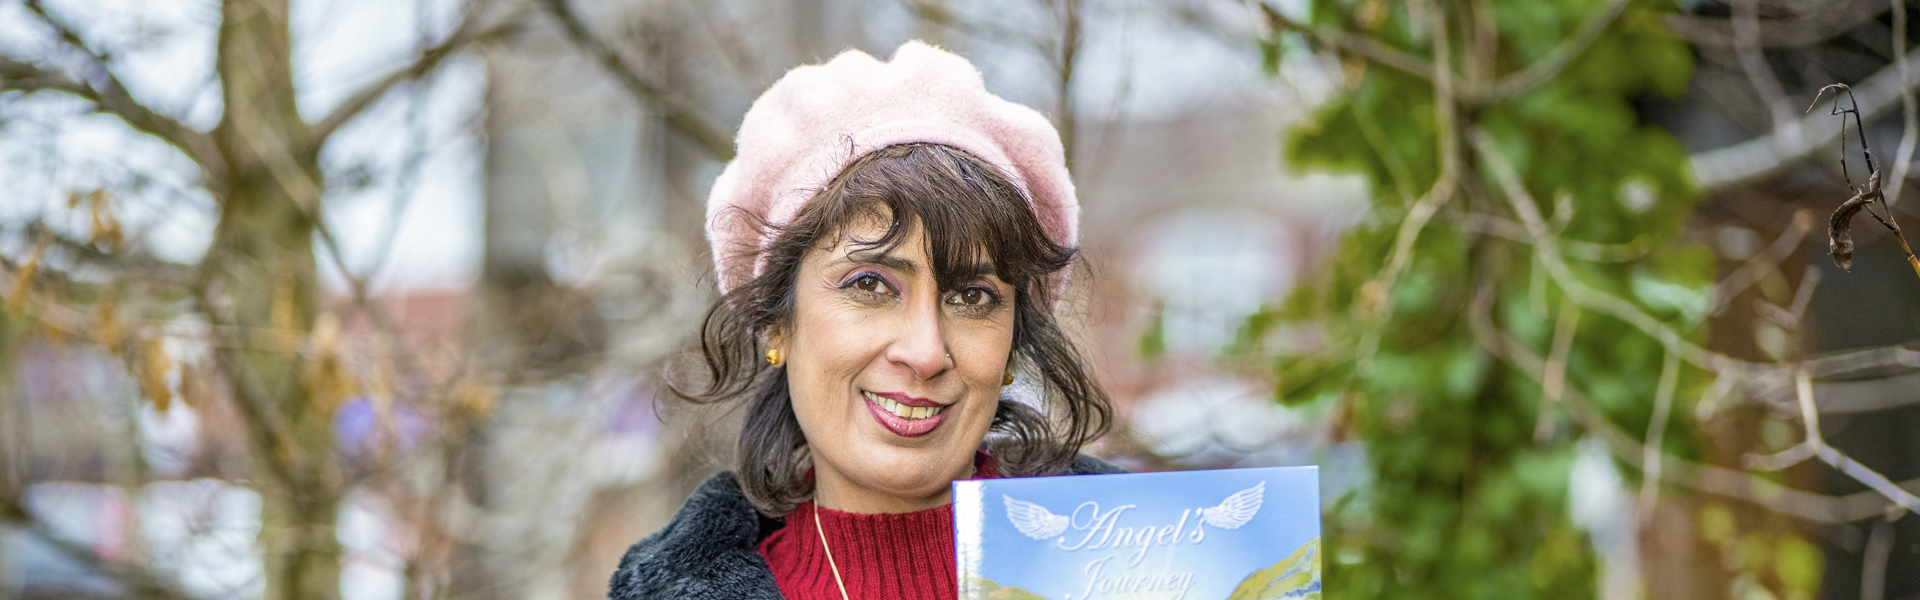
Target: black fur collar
707, 550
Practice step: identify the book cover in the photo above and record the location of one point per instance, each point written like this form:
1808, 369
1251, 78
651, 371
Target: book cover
1234, 534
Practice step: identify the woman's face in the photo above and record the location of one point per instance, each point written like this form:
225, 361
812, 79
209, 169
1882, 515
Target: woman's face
894, 381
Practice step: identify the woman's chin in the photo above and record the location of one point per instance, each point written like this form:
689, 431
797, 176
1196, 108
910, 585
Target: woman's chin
908, 474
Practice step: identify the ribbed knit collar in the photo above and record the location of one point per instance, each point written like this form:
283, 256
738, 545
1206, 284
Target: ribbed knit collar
899, 555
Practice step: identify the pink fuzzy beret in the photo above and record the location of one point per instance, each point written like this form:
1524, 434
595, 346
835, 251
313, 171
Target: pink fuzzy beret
817, 119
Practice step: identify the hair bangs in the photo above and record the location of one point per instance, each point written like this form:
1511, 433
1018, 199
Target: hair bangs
973, 220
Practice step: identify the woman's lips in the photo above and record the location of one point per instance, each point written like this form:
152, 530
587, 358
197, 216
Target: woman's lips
902, 419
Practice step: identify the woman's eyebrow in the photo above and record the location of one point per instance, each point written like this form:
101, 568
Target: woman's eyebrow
883, 259
909, 267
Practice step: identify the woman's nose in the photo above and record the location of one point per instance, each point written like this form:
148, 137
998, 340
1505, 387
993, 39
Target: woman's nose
922, 344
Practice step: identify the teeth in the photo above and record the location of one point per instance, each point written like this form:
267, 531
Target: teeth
901, 410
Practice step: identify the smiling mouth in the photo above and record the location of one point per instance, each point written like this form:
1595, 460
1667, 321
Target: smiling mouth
911, 413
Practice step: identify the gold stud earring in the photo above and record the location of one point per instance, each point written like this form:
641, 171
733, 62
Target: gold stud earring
773, 356
1008, 381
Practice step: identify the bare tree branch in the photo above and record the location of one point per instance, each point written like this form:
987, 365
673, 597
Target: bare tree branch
1554, 384
1657, 434
1546, 250
1351, 42
1818, 26
1810, 417
1422, 210
1762, 264
1873, 571
112, 98
468, 33
939, 14
674, 110
1550, 65
1579, 249
1708, 478
1753, 62
1749, 160
1512, 85
1910, 121
139, 581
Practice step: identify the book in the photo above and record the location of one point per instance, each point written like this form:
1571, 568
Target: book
1233, 534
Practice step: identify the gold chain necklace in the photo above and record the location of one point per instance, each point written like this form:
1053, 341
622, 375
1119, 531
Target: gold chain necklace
823, 545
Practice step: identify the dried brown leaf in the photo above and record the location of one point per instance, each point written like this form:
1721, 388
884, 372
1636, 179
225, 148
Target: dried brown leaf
107, 327
153, 373
1839, 231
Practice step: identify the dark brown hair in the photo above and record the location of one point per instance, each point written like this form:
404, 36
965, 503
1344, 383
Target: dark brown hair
966, 208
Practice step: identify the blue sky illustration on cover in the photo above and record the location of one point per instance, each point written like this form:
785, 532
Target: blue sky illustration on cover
1235, 534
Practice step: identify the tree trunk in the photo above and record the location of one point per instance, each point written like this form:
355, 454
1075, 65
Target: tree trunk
262, 270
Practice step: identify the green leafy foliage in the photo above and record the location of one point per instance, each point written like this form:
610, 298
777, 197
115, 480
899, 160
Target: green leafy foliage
1464, 501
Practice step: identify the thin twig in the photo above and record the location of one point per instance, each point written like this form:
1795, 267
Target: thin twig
110, 96
1718, 169
1545, 248
1555, 383
1873, 568
1822, 24
1707, 478
1349, 41
1866, 195
1746, 33
1810, 418
1443, 190
1762, 264
1910, 121
1544, 69
1799, 453
675, 111
467, 34
1657, 435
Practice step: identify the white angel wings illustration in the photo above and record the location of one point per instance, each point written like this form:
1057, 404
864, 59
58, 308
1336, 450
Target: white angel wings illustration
1236, 510
1034, 520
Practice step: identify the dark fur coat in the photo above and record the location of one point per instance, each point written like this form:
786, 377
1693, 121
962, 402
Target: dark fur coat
707, 550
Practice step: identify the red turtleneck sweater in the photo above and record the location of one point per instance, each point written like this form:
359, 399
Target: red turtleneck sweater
906, 555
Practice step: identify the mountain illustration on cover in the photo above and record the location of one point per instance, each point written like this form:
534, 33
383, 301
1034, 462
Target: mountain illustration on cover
1237, 534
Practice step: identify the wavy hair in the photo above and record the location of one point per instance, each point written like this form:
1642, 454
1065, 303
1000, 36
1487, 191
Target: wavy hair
966, 208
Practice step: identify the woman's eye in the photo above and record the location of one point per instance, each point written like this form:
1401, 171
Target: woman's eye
971, 297
870, 283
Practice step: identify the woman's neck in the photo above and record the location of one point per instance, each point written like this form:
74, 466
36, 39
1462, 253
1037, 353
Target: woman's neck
833, 490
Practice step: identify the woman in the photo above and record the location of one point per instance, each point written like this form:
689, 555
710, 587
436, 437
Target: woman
890, 244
